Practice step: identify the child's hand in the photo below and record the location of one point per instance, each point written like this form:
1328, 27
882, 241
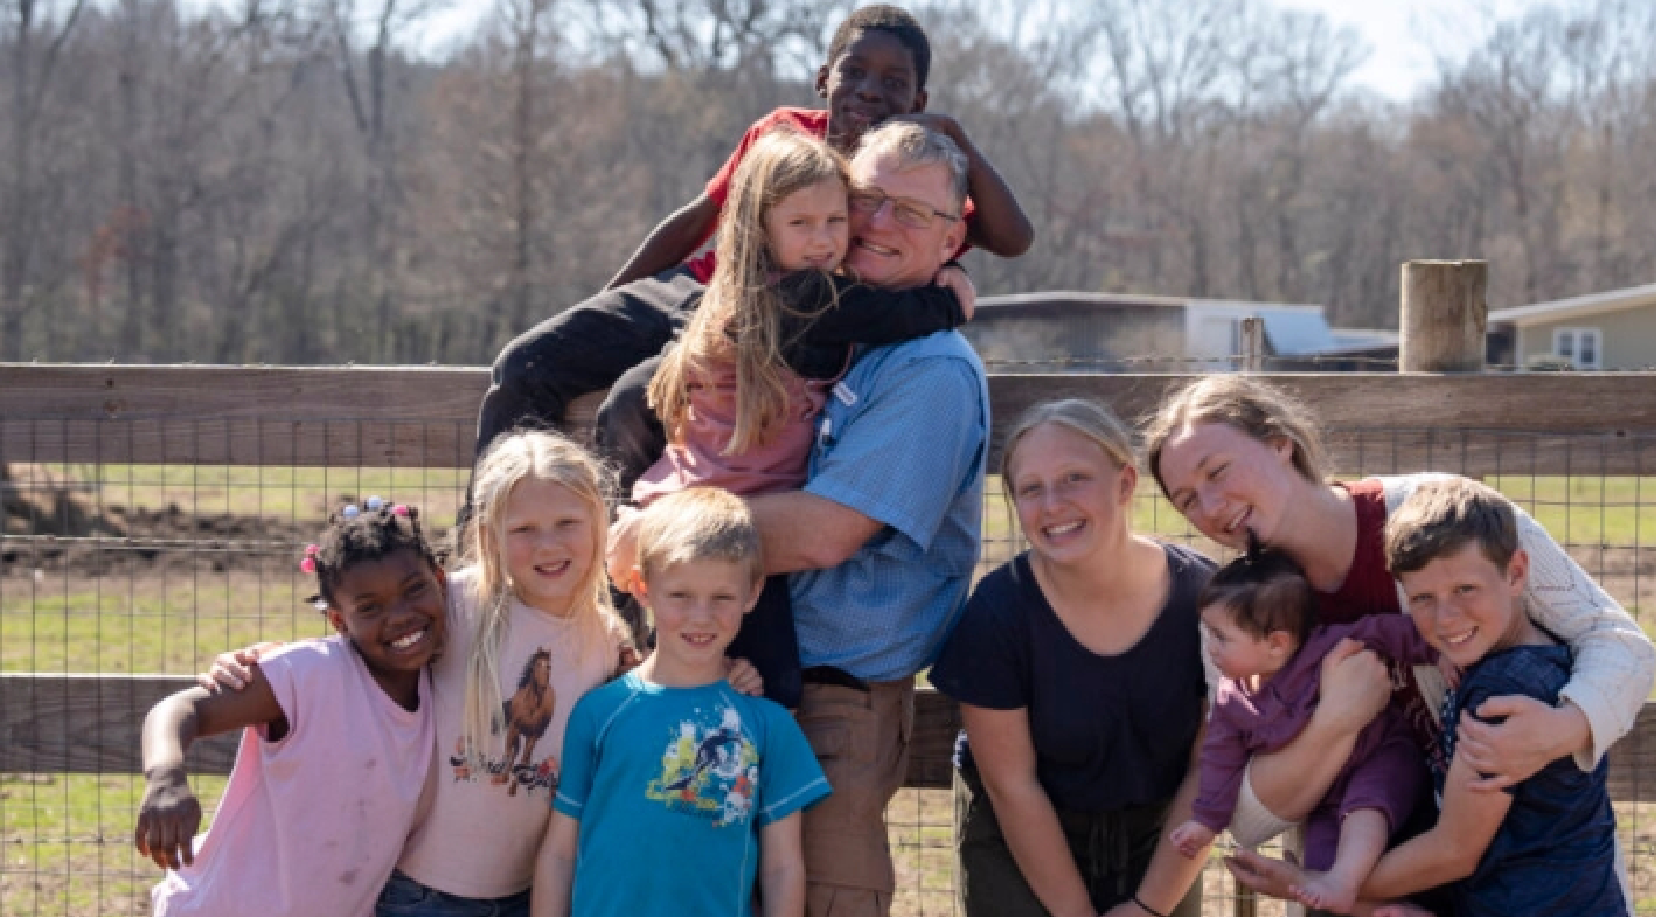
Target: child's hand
622, 554
1191, 838
744, 677
233, 670
1508, 739
167, 821
954, 279
1354, 685
627, 659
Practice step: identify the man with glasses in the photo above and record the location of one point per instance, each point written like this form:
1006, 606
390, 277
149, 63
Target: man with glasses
884, 535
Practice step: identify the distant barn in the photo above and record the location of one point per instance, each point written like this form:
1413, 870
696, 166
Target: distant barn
1063, 332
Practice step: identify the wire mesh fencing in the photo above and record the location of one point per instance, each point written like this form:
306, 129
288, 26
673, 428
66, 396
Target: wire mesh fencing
122, 560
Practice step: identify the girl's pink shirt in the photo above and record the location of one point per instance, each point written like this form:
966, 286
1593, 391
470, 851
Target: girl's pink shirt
693, 458
483, 818
313, 823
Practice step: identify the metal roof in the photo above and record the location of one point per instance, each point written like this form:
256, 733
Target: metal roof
1590, 304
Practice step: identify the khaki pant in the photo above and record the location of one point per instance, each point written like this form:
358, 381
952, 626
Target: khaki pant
862, 741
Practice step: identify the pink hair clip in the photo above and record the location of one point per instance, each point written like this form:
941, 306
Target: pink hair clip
308, 564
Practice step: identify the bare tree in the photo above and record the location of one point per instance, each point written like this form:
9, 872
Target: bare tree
36, 42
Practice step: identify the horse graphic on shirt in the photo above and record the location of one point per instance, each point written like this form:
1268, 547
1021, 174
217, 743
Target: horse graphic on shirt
526, 716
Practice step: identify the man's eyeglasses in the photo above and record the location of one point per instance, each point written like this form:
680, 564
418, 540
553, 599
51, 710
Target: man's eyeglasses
908, 211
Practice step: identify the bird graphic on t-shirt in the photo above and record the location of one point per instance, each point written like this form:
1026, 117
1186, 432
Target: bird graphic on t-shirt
718, 751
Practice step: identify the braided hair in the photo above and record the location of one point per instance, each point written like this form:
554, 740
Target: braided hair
357, 536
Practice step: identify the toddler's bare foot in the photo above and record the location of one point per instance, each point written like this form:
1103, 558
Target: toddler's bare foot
1327, 893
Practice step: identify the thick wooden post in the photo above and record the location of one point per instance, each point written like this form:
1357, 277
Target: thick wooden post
1442, 316
1254, 344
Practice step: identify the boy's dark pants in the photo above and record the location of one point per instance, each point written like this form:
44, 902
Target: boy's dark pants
626, 432
767, 640
584, 349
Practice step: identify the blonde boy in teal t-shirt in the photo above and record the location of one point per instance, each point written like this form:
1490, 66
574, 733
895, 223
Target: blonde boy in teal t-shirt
670, 767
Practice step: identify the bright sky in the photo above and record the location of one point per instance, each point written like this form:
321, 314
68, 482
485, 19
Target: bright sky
1403, 35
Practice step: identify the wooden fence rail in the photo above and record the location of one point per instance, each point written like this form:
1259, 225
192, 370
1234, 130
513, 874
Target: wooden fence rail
425, 416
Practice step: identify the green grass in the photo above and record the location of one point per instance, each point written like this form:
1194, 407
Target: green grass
1579, 510
294, 493
147, 624
67, 842
1609, 510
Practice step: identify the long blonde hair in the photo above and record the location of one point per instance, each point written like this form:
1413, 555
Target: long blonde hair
509, 461
738, 319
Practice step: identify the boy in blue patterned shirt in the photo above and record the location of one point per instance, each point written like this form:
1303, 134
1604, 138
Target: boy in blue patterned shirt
668, 765
1546, 845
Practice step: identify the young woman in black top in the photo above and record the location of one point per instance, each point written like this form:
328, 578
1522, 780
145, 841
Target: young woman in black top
1079, 670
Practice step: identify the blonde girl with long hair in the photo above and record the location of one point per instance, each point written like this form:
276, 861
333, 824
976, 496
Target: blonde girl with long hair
739, 393
532, 630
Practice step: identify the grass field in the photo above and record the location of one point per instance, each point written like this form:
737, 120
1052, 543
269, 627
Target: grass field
68, 849
156, 568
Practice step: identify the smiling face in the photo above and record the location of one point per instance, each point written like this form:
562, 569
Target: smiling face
549, 544
1227, 482
886, 252
808, 229
1466, 606
697, 606
1072, 498
392, 609
872, 80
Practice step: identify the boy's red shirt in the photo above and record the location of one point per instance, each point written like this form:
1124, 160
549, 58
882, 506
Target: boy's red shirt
812, 121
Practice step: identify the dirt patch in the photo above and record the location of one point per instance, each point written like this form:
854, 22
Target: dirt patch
123, 540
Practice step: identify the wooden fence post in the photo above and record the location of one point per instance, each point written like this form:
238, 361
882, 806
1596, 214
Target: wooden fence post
1442, 312
1254, 343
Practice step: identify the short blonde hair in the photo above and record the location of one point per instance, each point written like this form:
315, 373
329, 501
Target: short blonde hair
1083, 417
1256, 409
1444, 516
700, 523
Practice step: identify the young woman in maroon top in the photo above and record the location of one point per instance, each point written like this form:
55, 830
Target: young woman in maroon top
1234, 454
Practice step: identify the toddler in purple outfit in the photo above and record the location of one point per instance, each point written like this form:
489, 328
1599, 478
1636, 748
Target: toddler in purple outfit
1257, 615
